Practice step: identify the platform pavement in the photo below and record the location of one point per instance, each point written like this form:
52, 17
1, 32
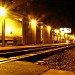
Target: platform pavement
21, 68
58, 72
28, 68
27, 46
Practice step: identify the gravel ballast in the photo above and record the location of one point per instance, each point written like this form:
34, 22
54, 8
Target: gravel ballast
61, 61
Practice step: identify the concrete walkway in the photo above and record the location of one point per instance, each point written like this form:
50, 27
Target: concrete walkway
27, 46
57, 72
21, 68
28, 68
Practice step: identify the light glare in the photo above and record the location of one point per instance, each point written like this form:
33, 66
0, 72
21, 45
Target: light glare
33, 22
56, 31
8, 30
48, 27
41, 27
2, 11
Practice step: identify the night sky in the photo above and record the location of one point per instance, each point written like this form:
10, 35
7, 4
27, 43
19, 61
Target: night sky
59, 13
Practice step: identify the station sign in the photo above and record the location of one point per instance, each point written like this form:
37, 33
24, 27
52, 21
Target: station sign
65, 30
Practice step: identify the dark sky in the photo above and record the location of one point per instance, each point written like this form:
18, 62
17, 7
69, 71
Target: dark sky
58, 13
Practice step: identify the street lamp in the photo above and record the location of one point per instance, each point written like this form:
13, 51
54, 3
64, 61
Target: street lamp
2, 14
48, 28
33, 22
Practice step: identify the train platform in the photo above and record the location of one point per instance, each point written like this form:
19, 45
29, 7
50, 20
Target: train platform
21, 68
28, 68
27, 46
57, 72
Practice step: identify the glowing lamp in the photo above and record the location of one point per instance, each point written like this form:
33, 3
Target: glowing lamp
2, 11
33, 22
48, 27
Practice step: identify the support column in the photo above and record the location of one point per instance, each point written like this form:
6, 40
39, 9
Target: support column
28, 32
3, 32
32, 33
25, 31
38, 34
50, 36
46, 35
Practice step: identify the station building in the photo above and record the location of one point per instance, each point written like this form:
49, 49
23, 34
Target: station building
29, 33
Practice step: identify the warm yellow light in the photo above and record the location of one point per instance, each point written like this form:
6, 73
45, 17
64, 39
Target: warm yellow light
65, 34
48, 27
74, 38
20, 19
41, 27
8, 30
33, 22
73, 34
2, 11
67, 41
62, 33
56, 31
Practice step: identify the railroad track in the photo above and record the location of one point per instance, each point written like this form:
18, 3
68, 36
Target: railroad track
11, 53
33, 54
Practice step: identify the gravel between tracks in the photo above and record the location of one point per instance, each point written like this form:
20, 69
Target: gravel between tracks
61, 61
